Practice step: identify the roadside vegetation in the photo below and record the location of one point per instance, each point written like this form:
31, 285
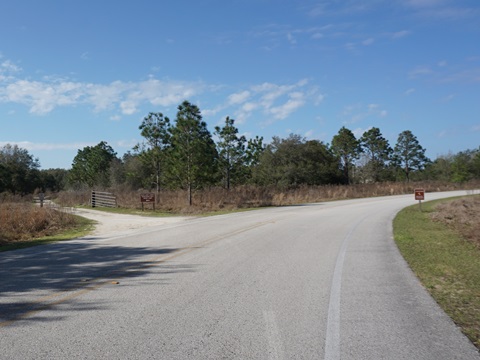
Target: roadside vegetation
23, 225
442, 246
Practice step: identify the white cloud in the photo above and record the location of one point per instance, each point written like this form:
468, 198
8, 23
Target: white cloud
291, 39
275, 101
43, 97
442, 134
424, 3
409, 91
368, 42
448, 98
309, 134
420, 71
7, 66
296, 101
359, 112
400, 34
358, 132
238, 98
128, 107
441, 9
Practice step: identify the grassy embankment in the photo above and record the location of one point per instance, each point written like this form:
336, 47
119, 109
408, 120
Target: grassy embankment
442, 246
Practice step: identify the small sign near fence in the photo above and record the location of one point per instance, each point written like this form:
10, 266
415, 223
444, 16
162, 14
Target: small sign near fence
147, 198
420, 195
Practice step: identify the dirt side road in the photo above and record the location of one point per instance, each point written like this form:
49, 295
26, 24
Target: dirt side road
109, 224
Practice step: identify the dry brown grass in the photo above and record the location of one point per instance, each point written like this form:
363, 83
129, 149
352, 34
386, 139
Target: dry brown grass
462, 215
218, 199
23, 221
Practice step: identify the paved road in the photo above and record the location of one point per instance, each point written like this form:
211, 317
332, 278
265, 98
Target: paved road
320, 281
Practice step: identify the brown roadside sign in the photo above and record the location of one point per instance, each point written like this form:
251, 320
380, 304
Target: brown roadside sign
146, 198
419, 194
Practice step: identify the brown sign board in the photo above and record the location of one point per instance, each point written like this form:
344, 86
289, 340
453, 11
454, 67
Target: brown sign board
147, 198
419, 194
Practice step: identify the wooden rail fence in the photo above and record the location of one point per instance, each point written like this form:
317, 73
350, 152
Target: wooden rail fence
103, 199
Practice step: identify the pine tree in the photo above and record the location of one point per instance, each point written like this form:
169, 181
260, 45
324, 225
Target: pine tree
348, 149
193, 154
377, 151
156, 131
409, 155
231, 152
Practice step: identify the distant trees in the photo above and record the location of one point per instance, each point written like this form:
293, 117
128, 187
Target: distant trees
377, 152
295, 161
91, 166
231, 152
461, 167
19, 170
348, 149
184, 155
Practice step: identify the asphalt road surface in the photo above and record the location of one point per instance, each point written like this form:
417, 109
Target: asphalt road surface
319, 281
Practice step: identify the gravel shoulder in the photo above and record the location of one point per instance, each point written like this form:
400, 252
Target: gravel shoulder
109, 224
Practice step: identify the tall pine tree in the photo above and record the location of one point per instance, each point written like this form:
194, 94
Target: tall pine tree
231, 151
409, 155
193, 154
347, 148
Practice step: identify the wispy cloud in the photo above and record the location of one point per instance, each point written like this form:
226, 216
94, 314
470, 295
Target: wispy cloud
400, 34
368, 41
420, 71
442, 72
441, 9
470, 75
326, 8
271, 102
358, 112
8, 70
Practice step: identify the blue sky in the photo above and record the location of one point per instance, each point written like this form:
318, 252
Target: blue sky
74, 73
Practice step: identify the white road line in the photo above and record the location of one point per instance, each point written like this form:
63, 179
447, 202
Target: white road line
332, 338
275, 349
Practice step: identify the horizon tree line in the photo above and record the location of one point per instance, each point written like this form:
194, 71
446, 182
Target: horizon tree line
183, 155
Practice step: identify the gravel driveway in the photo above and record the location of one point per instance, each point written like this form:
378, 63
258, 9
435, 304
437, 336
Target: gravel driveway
110, 224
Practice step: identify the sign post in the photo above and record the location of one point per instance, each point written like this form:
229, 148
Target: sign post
420, 195
148, 198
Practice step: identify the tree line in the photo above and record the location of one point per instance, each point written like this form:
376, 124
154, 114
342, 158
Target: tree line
182, 154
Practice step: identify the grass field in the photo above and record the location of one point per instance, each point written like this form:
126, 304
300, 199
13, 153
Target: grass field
442, 246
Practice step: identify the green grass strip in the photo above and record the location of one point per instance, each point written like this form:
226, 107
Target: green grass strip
446, 264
